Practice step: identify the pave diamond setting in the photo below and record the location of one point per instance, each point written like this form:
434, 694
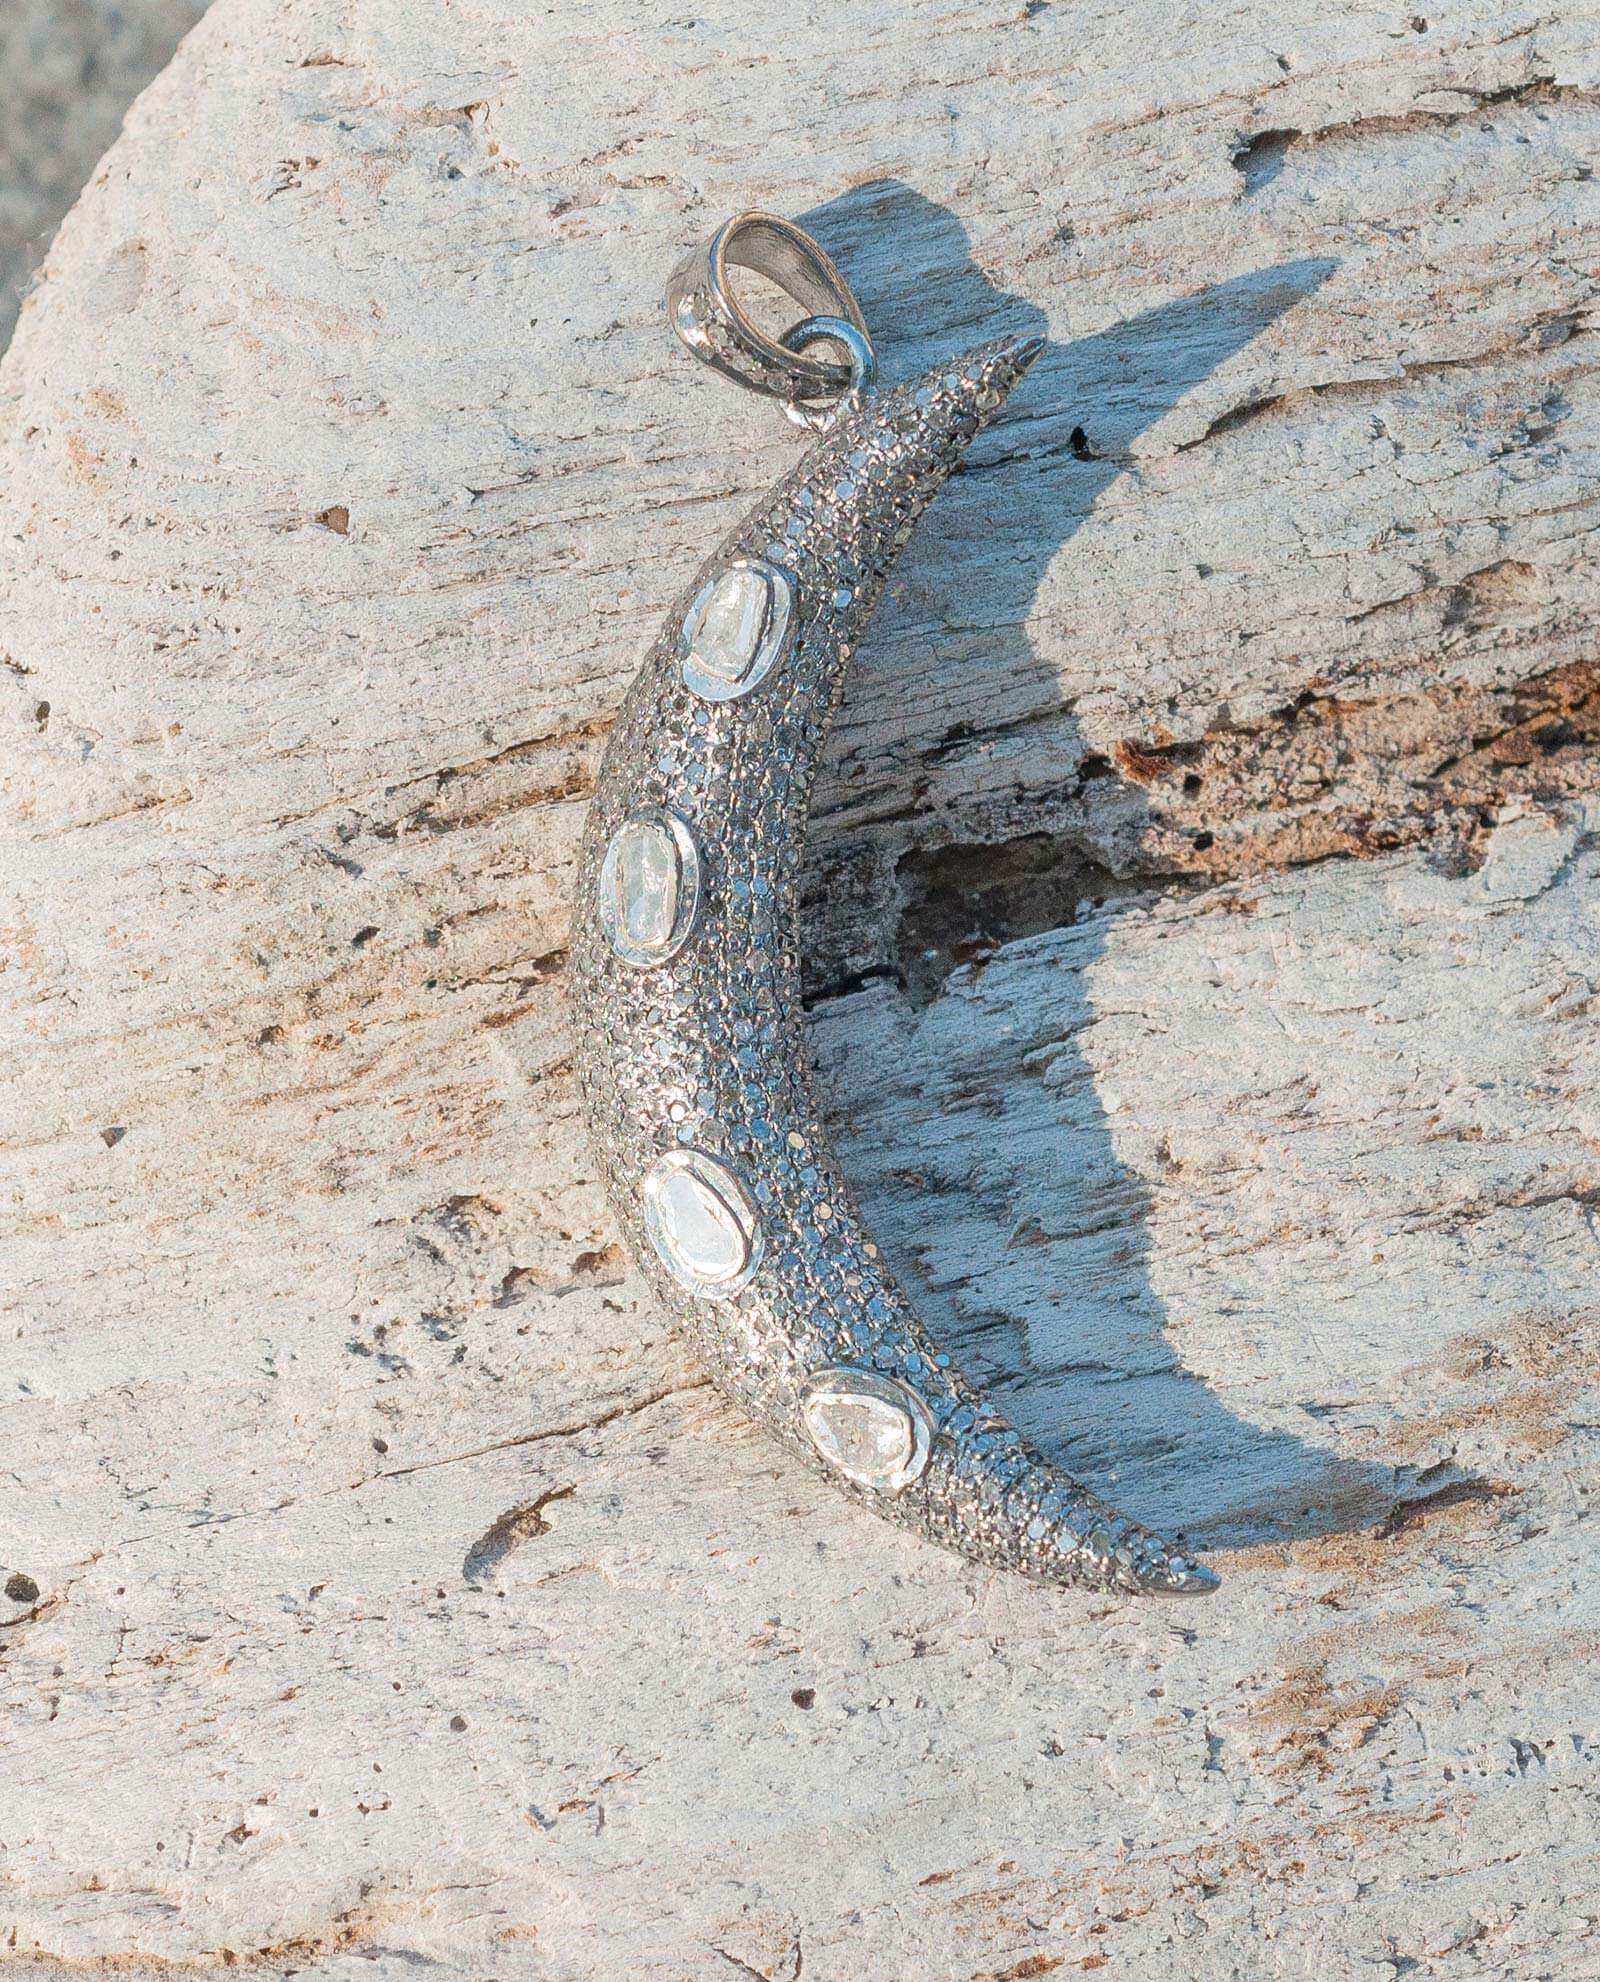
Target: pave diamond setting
738, 629
694, 1078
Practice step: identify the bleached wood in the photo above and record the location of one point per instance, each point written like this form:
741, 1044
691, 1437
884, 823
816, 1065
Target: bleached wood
403, 1595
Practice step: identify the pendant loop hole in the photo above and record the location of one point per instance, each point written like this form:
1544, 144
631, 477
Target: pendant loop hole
863, 366
715, 327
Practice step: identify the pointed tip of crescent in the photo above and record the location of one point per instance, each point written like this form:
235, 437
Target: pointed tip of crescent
1150, 1568
1181, 1578
1004, 363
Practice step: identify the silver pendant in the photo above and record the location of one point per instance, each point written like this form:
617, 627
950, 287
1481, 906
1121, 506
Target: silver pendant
686, 964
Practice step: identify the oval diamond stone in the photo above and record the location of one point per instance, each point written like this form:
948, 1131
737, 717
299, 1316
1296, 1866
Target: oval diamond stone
701, 1222
738, 629
872, 1429
649, 887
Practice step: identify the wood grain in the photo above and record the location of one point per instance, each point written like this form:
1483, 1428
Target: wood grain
1204, 902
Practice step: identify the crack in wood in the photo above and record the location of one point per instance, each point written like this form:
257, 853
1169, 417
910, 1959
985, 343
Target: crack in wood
517, 1525
628, 1409
1331, 776
1259, 157
1538, 335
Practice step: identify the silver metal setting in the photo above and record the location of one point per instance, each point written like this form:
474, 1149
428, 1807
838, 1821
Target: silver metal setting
716, 328
675, 836
722, 1201
831, 1388
770, 647
704, 1056
856, 345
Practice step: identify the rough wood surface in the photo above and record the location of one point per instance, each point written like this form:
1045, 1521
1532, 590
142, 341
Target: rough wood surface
1205, 895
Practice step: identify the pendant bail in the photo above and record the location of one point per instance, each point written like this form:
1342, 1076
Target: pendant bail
714, 326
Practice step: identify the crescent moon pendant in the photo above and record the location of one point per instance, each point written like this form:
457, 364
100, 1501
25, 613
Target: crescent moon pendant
685, 972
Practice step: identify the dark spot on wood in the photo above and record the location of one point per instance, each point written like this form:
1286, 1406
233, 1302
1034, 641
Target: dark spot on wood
495, 1020
22, 1589
1259, 159
1141, 766
516, 1526
805, 1697
961, 903
602, 1268
1421, 1508
1507, 593
588, 1263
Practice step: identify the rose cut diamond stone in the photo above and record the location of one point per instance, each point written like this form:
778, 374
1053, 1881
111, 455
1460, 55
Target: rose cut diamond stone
649, 887
731, 626
701, 1222
645, 881
872, 1429
738, 629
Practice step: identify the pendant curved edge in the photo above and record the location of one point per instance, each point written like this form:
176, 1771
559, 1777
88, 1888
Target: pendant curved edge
841, 515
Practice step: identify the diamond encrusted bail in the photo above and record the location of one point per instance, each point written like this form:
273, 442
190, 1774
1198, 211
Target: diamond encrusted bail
714, 326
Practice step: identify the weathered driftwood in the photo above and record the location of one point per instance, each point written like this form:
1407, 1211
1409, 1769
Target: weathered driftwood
1205, 907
